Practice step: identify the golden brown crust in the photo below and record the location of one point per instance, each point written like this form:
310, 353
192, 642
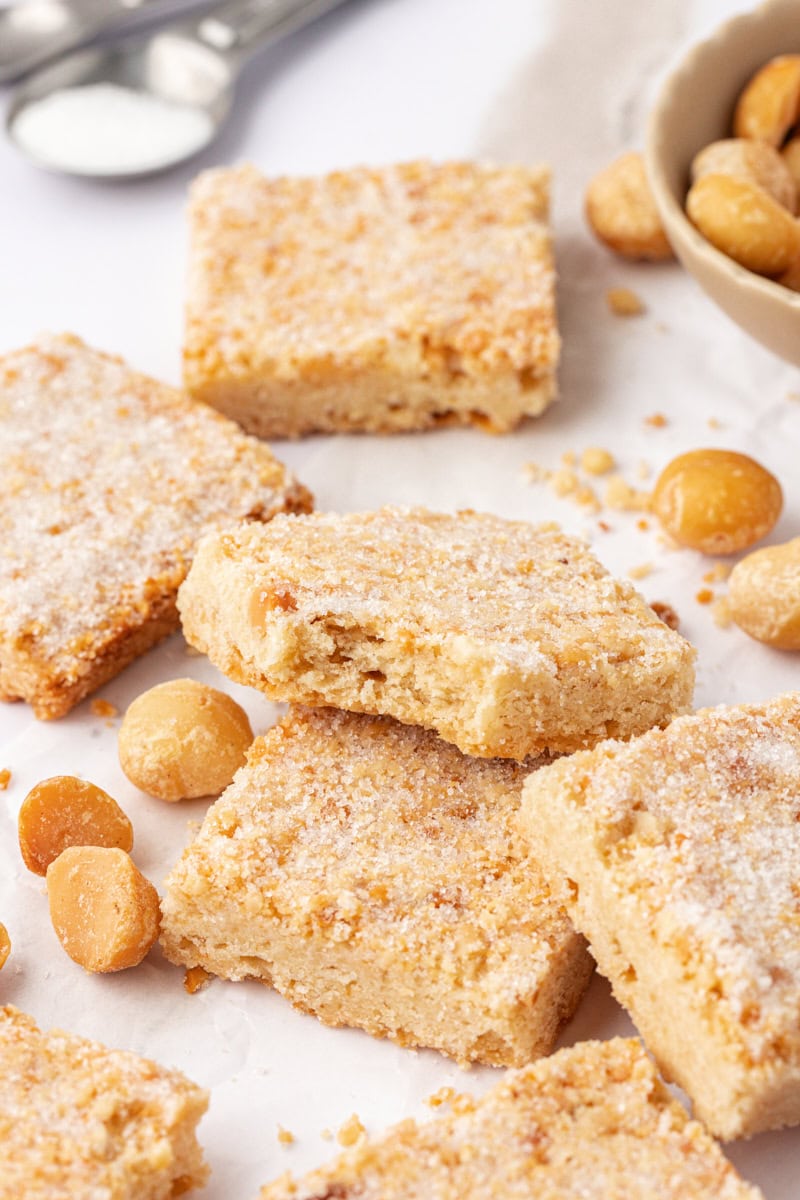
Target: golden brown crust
79, 1120
677, 856
593, 1122
507, 638
374, 875
109, 478
373, 299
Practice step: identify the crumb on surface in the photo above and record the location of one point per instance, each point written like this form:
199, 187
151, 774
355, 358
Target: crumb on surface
643, 524
103, 708
714, 423
5, 778
604, 526
722, 613
596, 460
326, 1135
718, 573
704, 596
620, 495
351, 1131
195, 979
656, 421
534, 473
564, 482
444, 1095
641, 571
624, 302
569, 458
285, 1136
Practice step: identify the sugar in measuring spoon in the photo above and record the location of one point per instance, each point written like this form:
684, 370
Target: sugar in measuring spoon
131, 109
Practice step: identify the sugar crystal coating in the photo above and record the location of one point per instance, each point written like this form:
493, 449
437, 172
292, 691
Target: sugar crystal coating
108, 480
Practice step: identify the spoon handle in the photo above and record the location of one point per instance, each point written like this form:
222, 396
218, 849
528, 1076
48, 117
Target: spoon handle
239, 28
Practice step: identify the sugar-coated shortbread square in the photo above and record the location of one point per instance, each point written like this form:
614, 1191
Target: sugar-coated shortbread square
506, 638
374, 875
678, 855
375, 299
108, 480
594, 1122
80, 1120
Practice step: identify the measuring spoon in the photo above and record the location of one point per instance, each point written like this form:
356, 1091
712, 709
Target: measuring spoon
169, 93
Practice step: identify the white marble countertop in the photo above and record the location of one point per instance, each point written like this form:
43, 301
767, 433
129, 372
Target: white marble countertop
565, 81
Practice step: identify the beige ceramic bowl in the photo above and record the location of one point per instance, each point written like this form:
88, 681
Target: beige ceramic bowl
695, 107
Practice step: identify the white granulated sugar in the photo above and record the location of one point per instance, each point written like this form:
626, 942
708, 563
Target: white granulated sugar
106, 129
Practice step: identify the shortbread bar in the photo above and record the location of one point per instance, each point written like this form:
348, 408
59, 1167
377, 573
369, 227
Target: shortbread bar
593, 1122
373, 874
373, 299
78, 1120
679, 857
108, 480
506, 638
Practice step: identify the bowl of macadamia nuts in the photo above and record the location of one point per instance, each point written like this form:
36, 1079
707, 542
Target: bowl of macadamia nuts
723, 161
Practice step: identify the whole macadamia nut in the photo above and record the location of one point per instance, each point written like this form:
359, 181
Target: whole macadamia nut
183, 739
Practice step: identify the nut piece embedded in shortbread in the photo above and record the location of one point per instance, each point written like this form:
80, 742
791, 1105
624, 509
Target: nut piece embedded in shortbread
104, 911
65, 811
183, 739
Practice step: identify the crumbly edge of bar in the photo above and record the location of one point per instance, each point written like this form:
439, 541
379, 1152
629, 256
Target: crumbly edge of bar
52, 690
371, 670
355, 953
372, 402
667, 990
55, 685
166, 1159
604, 1099
405, 1002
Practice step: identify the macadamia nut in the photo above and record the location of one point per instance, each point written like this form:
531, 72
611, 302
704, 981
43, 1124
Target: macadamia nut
757, 162
716, 501
622, 212
183, 739
105, 913
65, 811
764, 595
744, 222
770, 103
5, 946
